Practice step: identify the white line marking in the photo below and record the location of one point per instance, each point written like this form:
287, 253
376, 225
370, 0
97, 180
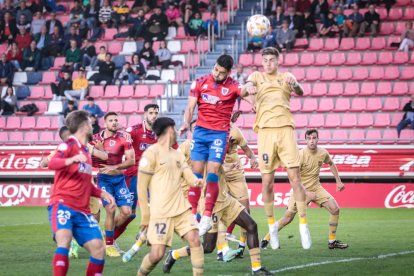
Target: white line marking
23, 224
343, 261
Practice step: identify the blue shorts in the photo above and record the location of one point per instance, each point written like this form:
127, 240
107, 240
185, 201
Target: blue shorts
131, 182
84, 226
116, 186
208, 145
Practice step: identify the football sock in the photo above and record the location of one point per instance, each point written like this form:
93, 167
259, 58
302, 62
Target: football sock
194, 194
146, 266
197, 260
95, 267
231, 228
212, 192
243, 237
60, 261
138, 243
267, 237
255, 259
109, 237
222, 245
333, 224
301, 205
268, 206
181, 252
121, 229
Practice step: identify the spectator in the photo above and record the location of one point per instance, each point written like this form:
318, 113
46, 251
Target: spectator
52, 23
100, 58
70, 107
277, 18
91, 14
337, 4
285, 37
14, 55
163, 56
23, 39
270, 39
23, 10
213, 23
408, 118
6, 71
73, 55
54, 48
173, 15
145, 5
93, 108
37, 23
64, 84
353, 23
31, 57
8, 28
157, 26
194, 26
254, 44
8, 8
95, 125
320, 9
407, 38
302, 6
351, 3
329, 27
138, 28
88, 53
121, 14
42, 39
105, 14
138, 69
51, 6
388, 4
371, 20
240, 75
106, 71
8, 103
123, 75
340, 18
72, 35
76, 14
23, 22
296, 22
271, 6
79, 87
146, 55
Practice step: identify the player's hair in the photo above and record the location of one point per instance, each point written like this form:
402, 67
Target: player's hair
75, 119
62, 130
310, 131
110, 113
270, 51
148, 106
225, 61
161, 124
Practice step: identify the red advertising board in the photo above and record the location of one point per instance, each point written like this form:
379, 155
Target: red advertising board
360, 195
351, 162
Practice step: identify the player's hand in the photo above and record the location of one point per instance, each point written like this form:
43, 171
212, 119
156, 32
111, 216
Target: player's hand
143, 228
311, 195
198, 182
251, 89
108, 198
291, 80
183, 129
235, 116
108, 168
340, 186
254, 163
99, 145
78, 158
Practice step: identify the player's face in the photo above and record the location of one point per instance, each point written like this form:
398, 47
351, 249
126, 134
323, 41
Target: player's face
111, 123
312, 141
270, 64
65, 135
151, 115
220, 74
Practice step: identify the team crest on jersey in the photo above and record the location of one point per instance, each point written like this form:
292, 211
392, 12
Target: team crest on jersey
123, 191
209, 98
178, 164
62, 221
218, 142
205, 86
224, 91
85, 168
112, 143
143, 146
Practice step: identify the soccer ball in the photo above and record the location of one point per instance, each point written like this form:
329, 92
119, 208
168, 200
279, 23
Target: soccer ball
258, 25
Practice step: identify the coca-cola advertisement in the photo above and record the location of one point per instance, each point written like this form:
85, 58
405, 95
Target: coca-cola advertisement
358, 195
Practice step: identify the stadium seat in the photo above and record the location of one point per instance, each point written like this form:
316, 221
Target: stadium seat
31, 137
16, 137
347, 44
116, 106
174, 46
335, 89
325, 104
407, 136
246, 59
357, 136
365, 120
189, 45
349, 120
409, 13
54, 123
99, 44
43, 122
309, 105
143, 103
337, 59
373, 136
167, 75
328, 74
291, 59
387, 28
383, 88
391, 104
307, 59
109, 33
400, 88
20, 78
301, 120
111, 92
358, 104
141, 91
395, 14
382, 120
389, 136
58, 63
122, 121
130, 106
407, 73
385, 58
382, 13
4, 137
353, 58
114, 48
313, 74
378, 43
258, 59
126, 91
360, 73
2, 122
374, 104
295, 104
246, 107
48, 78
351, 89
331, 44
37, 93
28, 123
307, 88
249, 120
103, 105
13, 123
376, 73
96, 91
322, 59
400, 27
368, 89
299, 73
46, 137
319, 89
129, 47
339, 136
332, 120
393, 73
369, 58
363, 43
316, 120
316, 44
344, 74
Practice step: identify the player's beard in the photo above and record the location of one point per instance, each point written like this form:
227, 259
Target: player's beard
89, 137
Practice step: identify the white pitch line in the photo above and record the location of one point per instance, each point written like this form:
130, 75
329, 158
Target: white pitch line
23, 224
343, 261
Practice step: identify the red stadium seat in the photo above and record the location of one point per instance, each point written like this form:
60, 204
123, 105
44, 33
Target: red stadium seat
301, 120
157, 90
399, 29
332, 120
48, 92
247, 107
328, 74
131, 106
358, 104
319, 89
37, 93
382, 13
246, 59
387, 28
115, 106
322, 59
4, 137
347, 44
391, 104
325, 105
2, 122
122, 121
134, 120
307, 88
28, 123
316, 44
382, 120
363, 43
103, 105
141, 91
383, 88
378, 43
109, 34
368, 89
32, 137
299, 73
143, 103
351, 89
407, 136
395, 14
189, 45
13, 123
316, 120
46, 137
400, 57
111, 91
409, 13
400, 88
258, 59
349, 120
96, 91
360, 73
344, 74
385, 58
307, 59
331, 44
291, 59
309, 105
374, 104
342, 104
48, 78
324, 136
58, 63
249, 120
313, 74
369, 58
43, 122
357, 136
373, 136
337, 59
407, 73
339, 136
16, 137
392, 73
114, 47
353, 58
295, 104
335, 89
376, 73
365, 120
127, 91
389, 136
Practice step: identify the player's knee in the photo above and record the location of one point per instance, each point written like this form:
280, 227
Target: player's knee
110, 210
252, 227
156, 256
126, 212
193, 239
208, 248
335, 210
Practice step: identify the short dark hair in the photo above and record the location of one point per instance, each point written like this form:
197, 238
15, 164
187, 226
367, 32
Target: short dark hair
161, 124
148, 106
75, 119
90, 99
310, 131
71, 102
225, 61
110, 113
270, 51
62, 130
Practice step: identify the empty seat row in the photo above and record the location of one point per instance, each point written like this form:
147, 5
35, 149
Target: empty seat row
127, 91
128, 106
27, 123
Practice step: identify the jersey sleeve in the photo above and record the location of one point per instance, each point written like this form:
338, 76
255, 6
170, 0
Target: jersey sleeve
195, 89
327, 159
147, 162
253, 78
126, 142
184, 148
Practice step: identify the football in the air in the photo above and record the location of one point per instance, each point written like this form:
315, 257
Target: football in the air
258, 25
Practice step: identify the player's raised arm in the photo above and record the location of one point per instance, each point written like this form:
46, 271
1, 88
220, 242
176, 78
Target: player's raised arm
97, 150
250, 154
188, 114
294, 84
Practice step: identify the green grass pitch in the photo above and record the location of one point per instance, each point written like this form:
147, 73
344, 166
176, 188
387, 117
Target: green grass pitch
26, 247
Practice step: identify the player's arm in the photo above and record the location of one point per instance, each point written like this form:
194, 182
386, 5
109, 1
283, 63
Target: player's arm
294, 84
129, 160
339, 185
145, 173
45, 161
250, 154
189, 176
188, 114
60, 161
248, 89
97, 150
